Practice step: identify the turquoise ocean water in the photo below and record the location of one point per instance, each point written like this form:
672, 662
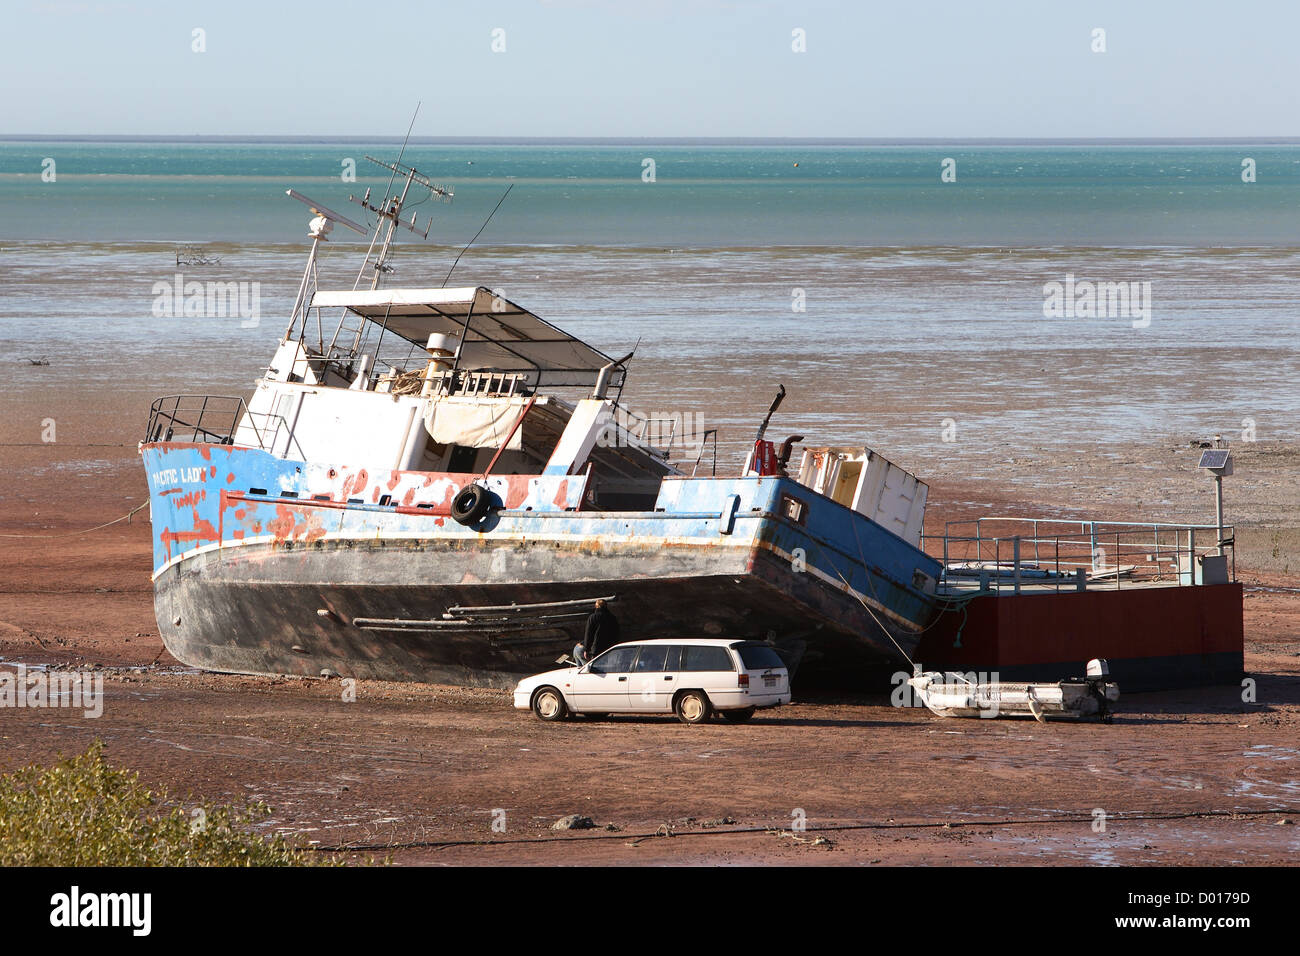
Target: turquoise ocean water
922, 299
750, 196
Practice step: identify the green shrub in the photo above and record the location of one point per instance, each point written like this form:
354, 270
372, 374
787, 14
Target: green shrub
82, 812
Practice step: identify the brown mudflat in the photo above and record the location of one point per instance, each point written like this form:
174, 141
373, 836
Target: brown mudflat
1182, 777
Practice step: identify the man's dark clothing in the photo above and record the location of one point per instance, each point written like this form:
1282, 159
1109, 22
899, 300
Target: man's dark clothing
601, 633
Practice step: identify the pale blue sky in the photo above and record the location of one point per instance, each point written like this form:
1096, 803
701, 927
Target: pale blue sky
882, 69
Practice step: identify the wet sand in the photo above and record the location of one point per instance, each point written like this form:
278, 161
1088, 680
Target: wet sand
422, 771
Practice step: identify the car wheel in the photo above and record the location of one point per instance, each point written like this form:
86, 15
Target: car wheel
739, 716
693, 707
548, 704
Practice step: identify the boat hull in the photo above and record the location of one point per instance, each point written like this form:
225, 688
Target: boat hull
251, 581
263, 611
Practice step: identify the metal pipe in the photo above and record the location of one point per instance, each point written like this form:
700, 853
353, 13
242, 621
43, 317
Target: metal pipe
1218, 510
1015, 553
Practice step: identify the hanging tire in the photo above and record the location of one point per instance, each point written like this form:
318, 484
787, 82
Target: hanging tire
471, 504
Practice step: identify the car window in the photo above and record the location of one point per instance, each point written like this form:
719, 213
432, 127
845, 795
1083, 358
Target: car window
652, 658
697, 657
616, 660
758, 656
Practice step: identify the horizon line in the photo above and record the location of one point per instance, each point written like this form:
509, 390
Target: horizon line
654, 140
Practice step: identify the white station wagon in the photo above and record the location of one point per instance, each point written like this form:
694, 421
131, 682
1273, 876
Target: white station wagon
691, 677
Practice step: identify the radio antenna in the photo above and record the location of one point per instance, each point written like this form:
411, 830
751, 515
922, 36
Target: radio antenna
388, 191
479, 233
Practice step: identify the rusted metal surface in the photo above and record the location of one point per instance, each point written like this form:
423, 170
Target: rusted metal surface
1154, 638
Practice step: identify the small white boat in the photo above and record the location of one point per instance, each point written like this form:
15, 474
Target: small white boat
958, 695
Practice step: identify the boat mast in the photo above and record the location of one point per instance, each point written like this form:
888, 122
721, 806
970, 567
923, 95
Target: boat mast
389, 211
318, 229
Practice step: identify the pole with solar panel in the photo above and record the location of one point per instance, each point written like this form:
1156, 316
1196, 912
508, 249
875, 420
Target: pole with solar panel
1218, 462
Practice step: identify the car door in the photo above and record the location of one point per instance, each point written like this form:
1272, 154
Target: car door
709, 667
602, 686
654, 679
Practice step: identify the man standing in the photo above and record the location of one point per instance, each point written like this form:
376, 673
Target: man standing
601, 634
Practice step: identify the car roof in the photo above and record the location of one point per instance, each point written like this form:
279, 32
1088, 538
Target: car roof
709, 641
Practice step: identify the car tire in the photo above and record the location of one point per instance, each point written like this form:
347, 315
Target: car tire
548, 704
739, 716
692, 707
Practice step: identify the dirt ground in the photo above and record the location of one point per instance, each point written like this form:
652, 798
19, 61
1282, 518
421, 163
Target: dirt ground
438, 775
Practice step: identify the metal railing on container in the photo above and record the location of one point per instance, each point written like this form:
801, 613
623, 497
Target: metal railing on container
1065, 553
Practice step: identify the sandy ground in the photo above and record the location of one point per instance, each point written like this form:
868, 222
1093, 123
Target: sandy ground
422, 772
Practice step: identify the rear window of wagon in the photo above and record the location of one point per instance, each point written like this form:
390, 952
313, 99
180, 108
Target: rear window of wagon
759, 656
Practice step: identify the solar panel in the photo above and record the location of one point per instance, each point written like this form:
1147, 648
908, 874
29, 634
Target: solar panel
1214, 458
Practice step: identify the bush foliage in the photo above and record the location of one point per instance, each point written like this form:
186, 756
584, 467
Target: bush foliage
82, 812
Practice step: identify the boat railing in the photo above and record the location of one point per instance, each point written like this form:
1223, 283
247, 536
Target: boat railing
195, 418
710, 436
662, 433
1055, 554
460, 382
217, 420
653, 433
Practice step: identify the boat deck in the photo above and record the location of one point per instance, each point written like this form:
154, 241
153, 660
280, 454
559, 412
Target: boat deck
1052, 555
965, 587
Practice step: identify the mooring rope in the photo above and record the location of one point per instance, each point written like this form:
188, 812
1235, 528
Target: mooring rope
870, 610
71, 534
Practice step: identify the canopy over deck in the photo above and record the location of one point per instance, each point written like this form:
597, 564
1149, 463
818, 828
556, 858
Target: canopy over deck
493, 332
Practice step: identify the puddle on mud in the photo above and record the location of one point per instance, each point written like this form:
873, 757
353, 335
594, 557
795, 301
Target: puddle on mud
1272, 752
1269, 760
1126, 843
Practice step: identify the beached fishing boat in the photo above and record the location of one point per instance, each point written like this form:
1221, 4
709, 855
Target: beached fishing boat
436, 484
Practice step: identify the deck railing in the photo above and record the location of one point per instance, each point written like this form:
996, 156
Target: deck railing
218, 420
999, 553
196, 418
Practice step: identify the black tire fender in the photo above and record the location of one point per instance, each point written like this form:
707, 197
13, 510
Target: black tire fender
470, 504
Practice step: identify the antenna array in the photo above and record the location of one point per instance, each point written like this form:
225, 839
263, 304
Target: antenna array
390, 207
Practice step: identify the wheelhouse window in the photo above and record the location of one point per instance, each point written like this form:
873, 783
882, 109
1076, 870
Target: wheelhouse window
794, 509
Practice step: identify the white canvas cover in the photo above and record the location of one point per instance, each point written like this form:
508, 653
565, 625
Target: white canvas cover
476, 423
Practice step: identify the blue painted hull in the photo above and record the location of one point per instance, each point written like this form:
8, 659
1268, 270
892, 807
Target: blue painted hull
263, 565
